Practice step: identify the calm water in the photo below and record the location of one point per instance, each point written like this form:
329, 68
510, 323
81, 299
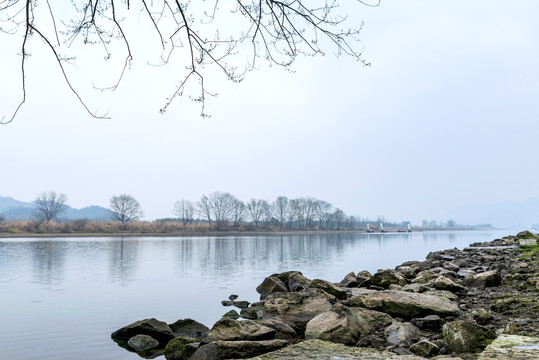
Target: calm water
61, 298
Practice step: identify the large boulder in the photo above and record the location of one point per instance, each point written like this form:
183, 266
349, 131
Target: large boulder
142, 342
349, 281
402, 334
282, 331
364, 278
424, 348
341, 325
236, 349
465, 337
329, 288
189, 328
324, 350
175, 349
158, 330
298, 308
444, 283
271, 285
512, 347
297, 282
484, 279
227, 329
405, 304
384, 278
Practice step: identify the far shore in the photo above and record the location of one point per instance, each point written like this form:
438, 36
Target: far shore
209, 233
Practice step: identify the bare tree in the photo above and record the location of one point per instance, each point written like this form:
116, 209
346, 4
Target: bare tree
233, 37
280, 209
49, 206
184, 210
125, 208
239, 211
204, 208
256, 209
221, 207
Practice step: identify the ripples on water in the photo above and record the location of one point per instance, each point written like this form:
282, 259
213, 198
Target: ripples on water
61, 298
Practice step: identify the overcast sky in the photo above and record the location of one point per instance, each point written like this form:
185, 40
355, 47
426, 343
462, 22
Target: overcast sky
445, 118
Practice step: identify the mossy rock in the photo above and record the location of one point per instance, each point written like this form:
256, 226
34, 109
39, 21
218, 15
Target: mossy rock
467, 337
175, 347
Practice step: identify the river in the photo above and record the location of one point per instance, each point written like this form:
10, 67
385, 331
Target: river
61, 298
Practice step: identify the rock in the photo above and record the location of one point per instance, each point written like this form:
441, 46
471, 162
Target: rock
511, 328
444, 283
282, 331
465, 272
384, 278
142, 342
329, 288
431, 322
408, 271
189, 328
512, 347
340, 325
271, 285
243, 349
232, 297
226, 303
297, 282
364, 278
241, 304
349, 281
233, 314
484, 279
442, 293
418, 288
424, 348
158, 330
425, 277
450, 266
252, 312
405, 304
482, 317
466, 337
298, 308
175, 347
324, 350
233, 330
402, 334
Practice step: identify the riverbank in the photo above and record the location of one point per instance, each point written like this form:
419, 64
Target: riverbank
225, 233
451, 305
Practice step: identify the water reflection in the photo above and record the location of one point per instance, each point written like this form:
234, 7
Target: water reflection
122, 255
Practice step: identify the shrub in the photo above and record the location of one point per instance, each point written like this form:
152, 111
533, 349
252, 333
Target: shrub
12, 230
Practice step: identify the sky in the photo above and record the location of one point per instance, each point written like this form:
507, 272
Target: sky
442, 125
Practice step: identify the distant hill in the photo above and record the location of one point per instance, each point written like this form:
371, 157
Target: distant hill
13, 209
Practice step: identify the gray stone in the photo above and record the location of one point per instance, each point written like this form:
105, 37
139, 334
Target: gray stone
405, 304
298, 308
444, 283
512, 347
341, 325
424, 348
189, 328
402, 334
324, 350
241, 304
218, 350
142, 342
271, 285
364, 278
159, 330
252, 312
482, 316
297, 282
232, 297
233, 314
232, 330
349, 281
431, 322
175, 348
384, 278
484, 279
329, 288
466, 337
282, 331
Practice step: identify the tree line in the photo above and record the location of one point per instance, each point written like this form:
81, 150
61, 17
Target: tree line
222, 210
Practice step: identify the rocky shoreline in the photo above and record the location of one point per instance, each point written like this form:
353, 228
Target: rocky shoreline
475, 303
